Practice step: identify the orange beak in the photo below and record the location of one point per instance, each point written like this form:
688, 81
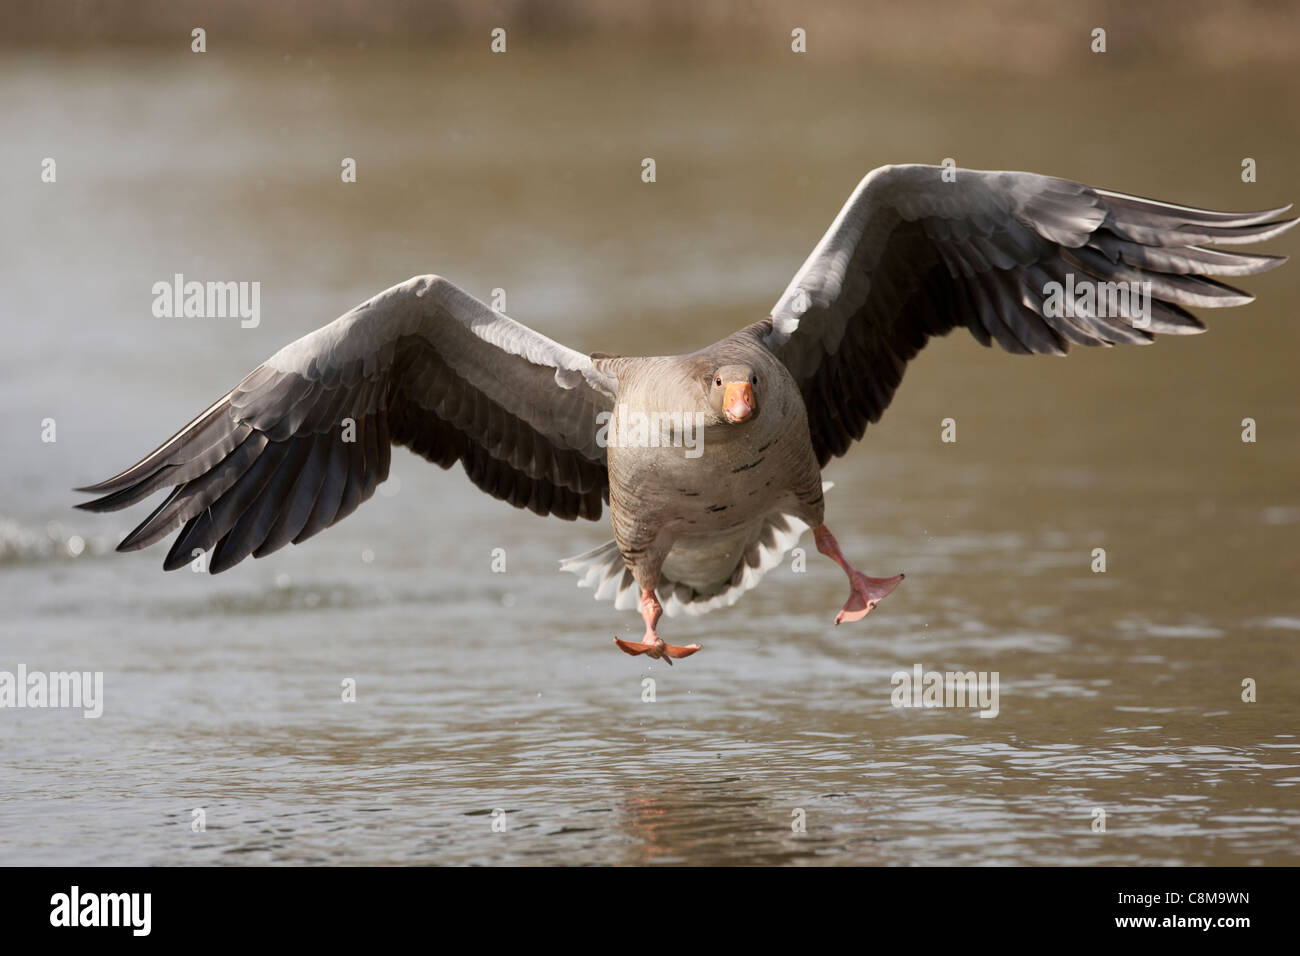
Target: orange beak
738, 401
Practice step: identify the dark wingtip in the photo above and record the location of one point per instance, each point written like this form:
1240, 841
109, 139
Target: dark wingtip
173, 562
109, 502
1262, 232
1286, 224
94, 489
109, 484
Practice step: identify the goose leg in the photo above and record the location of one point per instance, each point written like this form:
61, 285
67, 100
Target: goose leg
652, 644
866, 592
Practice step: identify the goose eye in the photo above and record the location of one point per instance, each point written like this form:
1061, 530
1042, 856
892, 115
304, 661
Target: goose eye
754, 380
717, 381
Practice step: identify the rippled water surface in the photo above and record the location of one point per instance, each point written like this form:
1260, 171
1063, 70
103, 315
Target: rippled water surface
479, 691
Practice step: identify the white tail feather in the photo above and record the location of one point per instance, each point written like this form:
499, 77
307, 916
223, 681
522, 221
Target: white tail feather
604, 569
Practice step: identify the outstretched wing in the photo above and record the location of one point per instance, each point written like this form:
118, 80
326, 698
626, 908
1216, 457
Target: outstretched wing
911, 256
306, 436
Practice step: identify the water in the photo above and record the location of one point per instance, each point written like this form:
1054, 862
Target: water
479, 691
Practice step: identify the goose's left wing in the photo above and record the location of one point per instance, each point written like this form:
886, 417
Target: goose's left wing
1030, 262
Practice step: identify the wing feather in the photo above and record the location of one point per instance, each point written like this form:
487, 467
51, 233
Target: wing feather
307, 436
913, 255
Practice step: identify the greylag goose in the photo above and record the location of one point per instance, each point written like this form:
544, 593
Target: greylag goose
711, 462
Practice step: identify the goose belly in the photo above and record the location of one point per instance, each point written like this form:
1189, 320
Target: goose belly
704, 561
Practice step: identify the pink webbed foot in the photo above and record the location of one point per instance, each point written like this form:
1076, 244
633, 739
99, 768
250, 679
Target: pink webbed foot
866, 594
655, 647
652, 644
